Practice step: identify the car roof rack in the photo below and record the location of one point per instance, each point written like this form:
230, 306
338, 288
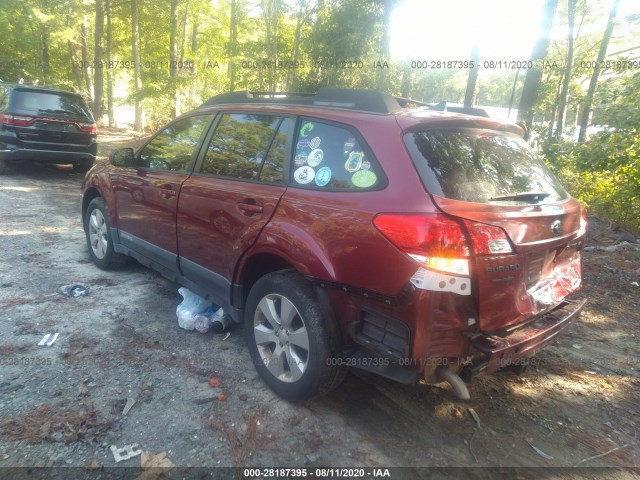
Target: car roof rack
345, 98
449, 107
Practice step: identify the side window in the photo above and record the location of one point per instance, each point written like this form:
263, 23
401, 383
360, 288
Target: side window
273, 167
173, 148
330, 157
239, 146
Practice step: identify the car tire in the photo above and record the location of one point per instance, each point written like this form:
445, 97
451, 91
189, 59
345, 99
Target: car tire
83, 166
293, 338
98, 233
3, 167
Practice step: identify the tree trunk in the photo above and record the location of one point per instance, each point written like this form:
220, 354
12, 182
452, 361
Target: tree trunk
232, 45
173, 57
86, 63
386, 27
534, 75
107, 6
470, 94
593, 84
137, 80
45, 56
74, 60
98, 58
564, 94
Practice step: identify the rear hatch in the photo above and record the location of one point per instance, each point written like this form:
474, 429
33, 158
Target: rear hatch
50, 120
524, 229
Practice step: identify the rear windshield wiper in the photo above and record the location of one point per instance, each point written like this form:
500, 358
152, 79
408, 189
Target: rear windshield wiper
524, 197
50, 110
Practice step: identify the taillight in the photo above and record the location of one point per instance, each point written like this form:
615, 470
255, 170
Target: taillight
435, 241
88, 127
19, 120
488, 239
584, 224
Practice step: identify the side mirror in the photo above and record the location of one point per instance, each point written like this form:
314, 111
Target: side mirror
122, 157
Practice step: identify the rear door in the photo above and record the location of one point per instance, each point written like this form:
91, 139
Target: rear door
50, 120
526, 231
147, 195
233, 194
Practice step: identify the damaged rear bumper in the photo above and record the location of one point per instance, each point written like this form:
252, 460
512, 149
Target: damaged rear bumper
518, 346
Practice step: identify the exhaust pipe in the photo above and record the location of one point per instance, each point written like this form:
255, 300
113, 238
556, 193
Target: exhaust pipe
459, 387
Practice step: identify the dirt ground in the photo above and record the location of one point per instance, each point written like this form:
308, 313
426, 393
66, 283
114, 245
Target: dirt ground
62, 405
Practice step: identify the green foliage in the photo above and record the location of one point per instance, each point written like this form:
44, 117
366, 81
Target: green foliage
603, 174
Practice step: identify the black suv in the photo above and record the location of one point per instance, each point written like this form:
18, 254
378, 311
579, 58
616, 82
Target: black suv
47, 125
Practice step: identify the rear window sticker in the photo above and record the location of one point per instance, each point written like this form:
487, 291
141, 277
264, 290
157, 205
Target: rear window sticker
304, 174
306, 128
315, 142
303, 143
323, 176
348, 145
300, 160
364, 178
354, 162
315, 157
366, 165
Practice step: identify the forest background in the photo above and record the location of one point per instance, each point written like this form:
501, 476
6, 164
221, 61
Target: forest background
141, 63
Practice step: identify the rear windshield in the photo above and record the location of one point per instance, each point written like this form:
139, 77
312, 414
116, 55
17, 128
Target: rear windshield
30, 102
481, 166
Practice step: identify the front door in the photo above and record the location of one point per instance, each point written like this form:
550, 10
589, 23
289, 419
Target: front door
147, 195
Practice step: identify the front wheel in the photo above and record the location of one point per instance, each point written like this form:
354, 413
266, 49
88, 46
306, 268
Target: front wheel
98, 233
292, 340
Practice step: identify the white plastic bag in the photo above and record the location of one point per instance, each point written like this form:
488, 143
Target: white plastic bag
189, 309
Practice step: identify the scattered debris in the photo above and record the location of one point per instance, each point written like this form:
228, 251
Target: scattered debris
189, 308
48, 339
475, 416
125, 453
635, 284
244, 397
222, 397
540, 452
214, 382
129, 404
602, 454
577, 347
227, 336
74, 290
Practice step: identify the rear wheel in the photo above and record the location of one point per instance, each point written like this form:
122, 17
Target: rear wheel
292, 341
98, 233
83, 166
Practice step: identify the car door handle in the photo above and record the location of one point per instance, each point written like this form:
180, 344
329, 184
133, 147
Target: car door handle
250, 207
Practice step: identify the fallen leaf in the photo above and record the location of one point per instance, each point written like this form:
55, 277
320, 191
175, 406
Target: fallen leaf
154, 466
214, 382
93, 465
456, 412
222, 397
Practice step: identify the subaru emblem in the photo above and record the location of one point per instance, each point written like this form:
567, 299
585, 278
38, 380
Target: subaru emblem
556, 227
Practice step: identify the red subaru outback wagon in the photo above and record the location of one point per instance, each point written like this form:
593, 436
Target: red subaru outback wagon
347, 230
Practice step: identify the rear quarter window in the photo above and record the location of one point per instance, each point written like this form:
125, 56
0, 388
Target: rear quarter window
480, 166
333, 157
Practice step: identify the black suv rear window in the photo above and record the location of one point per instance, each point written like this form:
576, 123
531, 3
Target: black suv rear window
30, 102
481, 166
